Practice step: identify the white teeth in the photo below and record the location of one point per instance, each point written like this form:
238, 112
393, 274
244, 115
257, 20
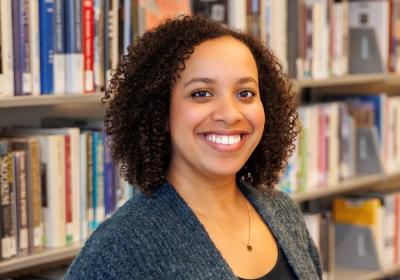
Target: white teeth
223, 139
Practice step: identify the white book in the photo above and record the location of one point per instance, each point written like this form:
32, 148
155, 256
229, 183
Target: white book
35, 48
7, 76
279, 31
320, 39
54, 212
237, 14
333, 153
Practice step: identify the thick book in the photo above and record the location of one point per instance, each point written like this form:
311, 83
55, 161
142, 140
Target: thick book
54, 202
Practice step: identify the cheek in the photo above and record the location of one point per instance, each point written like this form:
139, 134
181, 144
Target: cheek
185, 116
256, 116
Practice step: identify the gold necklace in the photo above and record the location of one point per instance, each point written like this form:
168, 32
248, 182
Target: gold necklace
214, 220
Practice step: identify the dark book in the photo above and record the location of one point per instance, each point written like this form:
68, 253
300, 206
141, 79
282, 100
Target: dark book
22, 203
217, 10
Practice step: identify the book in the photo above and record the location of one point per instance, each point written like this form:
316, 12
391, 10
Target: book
6, 55
73, 47
46, 26
21, 189
59, 47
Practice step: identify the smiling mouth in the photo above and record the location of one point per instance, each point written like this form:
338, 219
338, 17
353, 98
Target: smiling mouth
228, 140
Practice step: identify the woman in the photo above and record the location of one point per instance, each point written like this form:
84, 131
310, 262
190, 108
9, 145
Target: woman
203, 121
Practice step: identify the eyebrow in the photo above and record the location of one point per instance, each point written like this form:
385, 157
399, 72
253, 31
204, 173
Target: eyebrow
212, 81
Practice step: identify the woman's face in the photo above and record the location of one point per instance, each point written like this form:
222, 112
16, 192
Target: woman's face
216, 115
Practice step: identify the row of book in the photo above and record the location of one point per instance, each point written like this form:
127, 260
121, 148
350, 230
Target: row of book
360, 232
342, 139
71, 46
57, 185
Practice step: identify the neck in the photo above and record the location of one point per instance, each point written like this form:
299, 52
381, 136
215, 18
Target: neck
217, 195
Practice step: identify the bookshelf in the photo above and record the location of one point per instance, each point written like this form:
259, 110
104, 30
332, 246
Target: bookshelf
14, 110
51, 100
42, 259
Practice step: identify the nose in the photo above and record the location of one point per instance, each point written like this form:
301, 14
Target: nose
227, 110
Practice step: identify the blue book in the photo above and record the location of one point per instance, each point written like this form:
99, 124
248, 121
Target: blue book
46, 18
59, 47
108, 177
98, 178
73, 46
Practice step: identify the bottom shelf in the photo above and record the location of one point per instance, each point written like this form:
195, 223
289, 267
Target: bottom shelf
362, 274
44, 258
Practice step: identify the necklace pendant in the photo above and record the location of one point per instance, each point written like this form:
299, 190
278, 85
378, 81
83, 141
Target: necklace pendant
249, 248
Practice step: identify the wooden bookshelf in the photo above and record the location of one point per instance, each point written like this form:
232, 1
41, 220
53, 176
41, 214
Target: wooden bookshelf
362, 274
50, 100
41, 259
361, 79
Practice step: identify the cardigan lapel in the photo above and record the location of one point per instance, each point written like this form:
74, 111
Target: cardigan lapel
285, 227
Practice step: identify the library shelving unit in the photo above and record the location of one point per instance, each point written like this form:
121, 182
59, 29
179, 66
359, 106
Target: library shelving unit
90, 106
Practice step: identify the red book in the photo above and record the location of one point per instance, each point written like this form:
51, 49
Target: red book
88, 45
68, 201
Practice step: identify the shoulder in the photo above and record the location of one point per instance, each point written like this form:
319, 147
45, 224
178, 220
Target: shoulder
115, 248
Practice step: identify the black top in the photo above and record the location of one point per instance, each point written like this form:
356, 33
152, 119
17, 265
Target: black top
281, 271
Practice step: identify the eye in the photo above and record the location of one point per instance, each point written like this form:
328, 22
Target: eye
246, 94
201, 94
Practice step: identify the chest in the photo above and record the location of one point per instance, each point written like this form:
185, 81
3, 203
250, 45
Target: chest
232, 243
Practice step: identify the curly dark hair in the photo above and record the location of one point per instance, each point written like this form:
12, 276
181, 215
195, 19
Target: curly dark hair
138, 103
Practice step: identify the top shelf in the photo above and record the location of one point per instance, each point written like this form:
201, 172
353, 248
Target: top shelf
52, 100
348, 80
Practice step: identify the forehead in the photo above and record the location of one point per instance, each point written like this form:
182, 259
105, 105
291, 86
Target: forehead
224, 55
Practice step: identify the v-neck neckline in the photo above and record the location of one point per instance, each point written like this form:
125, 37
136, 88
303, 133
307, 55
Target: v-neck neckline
198, 227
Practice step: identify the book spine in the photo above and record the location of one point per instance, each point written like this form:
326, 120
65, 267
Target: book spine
13, 201
36, 196
7, 238
18, 47
108, 178
88, 45
75, 182
106, 40
22, 206
100, 29
96, 41
99, 178
35, 48
59, 48
26, 46
89, 178
83, 185
7, 77
46, 18
68, 202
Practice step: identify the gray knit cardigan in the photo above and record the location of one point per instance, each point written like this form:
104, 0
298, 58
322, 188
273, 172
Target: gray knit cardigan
159, 237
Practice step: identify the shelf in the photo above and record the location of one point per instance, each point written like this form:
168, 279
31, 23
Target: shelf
362, 274
49, 100
40, 259
346, 186
348, 80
